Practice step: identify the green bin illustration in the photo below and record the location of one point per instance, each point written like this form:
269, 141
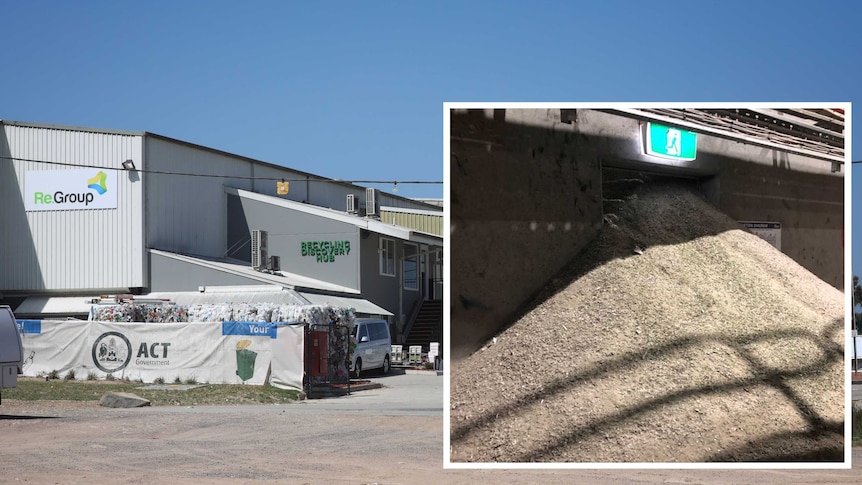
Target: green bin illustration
245, 360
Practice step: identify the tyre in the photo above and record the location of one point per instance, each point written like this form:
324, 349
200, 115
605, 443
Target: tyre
357, 368
386, 365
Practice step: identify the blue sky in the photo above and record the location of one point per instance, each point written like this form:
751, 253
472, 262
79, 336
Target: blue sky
354, 90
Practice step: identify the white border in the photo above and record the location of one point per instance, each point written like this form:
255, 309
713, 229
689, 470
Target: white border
447, 249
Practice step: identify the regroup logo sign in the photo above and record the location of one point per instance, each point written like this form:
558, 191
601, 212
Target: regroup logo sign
77, 189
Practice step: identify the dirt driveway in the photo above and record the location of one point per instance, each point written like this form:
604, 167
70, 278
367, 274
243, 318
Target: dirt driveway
386, 436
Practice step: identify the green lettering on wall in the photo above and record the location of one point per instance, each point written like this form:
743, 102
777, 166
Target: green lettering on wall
324, 251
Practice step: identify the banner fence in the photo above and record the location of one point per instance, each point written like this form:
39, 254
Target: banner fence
209, 352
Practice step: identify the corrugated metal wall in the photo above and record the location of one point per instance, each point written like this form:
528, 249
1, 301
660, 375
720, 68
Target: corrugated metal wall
419, 222
105, 249
69, 249
188, 214
389, 200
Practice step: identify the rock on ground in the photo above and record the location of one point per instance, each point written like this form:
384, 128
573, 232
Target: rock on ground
123, 400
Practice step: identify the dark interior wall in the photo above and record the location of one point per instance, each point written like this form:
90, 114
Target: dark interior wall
809, 206
748, 182
525, 198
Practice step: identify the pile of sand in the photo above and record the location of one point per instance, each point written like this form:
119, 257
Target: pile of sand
674, 337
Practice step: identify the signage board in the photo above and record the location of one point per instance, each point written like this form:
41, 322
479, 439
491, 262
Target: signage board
669, 142
768, 231
77, 189
325, 251
214, 352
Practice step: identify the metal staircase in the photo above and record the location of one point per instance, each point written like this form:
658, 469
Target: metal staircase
426, 326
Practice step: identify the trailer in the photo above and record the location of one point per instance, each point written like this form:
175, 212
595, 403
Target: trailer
11, 349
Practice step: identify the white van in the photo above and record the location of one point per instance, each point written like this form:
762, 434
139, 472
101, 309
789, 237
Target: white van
11, 350
373, 346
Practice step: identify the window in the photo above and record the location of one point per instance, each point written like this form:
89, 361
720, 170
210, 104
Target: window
378, 331
387, 257
410, 268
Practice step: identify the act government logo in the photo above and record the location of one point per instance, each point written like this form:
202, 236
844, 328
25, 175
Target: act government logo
112, 351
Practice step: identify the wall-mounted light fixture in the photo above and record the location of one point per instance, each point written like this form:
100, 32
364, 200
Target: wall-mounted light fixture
128, 165
282, 188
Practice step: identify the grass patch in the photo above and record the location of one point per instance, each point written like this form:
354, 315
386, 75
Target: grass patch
30, 389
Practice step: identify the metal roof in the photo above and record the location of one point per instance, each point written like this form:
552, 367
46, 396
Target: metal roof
372, 225
55, 305
252, 294
358, 304
279, 278
204, 148
273, 294
46, 306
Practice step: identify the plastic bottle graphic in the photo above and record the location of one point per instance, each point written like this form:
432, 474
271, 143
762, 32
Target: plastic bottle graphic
245, 360
28, 361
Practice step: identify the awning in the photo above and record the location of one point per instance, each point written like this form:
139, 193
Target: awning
358, 304
47, 306
55, 305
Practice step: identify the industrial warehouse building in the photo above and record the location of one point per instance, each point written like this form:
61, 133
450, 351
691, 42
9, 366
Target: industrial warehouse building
91, 212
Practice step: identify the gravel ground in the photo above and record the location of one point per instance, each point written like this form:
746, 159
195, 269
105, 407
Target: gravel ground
386, 436
67, 443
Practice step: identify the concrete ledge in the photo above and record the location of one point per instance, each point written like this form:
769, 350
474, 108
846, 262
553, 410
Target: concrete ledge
123, 400
421, 372
324, 391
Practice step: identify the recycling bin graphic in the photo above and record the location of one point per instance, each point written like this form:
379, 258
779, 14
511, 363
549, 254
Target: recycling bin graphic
245, 360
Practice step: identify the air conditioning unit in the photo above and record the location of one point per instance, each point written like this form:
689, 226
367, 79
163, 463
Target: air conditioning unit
371, 201
274, 263
258, 249
352, 206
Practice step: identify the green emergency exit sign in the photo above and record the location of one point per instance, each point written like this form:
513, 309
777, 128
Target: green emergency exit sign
669, 142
